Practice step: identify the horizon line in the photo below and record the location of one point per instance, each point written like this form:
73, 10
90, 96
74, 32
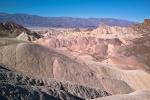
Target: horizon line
75, 17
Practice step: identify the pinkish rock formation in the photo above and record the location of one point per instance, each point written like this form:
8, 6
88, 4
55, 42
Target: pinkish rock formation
33, 59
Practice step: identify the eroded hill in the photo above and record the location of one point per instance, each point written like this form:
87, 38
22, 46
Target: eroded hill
76, 64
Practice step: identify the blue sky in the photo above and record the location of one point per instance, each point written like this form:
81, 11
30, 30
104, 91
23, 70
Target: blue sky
134, 10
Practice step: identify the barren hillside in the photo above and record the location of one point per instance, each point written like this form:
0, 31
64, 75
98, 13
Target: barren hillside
77, 64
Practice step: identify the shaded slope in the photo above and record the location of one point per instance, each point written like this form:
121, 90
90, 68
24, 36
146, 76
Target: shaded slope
14, 85
12, 30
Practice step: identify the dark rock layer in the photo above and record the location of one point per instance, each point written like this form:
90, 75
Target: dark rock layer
16, 86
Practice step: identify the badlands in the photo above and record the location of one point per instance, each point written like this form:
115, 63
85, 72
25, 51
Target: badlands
104, 63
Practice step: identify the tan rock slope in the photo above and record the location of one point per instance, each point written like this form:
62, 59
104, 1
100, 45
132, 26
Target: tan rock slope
33, 59
105, 29
28, 36
142, 95
132, 56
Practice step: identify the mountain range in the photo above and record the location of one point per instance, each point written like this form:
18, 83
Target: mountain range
61, 22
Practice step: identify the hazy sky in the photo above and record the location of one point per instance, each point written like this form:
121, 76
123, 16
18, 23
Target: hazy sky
135, 10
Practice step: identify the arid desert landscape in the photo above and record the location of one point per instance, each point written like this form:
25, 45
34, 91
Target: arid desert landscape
103, 63
74, 58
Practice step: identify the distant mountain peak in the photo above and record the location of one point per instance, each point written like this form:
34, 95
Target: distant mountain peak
28, 20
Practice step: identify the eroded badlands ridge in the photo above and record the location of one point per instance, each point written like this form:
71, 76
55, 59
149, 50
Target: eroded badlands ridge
33, 59
78, 64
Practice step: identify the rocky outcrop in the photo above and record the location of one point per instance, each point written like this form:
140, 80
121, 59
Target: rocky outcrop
134, 29
142, 27
49, 33
96, 47
11, 26
147, 22
13, 30
105, 29
28, 36
10, 29
14, 85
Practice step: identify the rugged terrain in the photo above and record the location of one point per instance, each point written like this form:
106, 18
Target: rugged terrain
105, 63
13, 30
15, 85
